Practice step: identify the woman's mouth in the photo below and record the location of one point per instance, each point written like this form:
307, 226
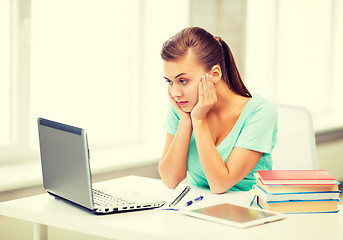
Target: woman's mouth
182, 103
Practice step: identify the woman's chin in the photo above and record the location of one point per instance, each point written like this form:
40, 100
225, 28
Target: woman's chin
186, 109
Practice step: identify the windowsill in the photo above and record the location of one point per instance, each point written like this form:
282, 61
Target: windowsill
29, 174
329, 135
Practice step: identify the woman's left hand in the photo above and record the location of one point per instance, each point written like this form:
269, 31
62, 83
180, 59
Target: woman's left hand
207, 97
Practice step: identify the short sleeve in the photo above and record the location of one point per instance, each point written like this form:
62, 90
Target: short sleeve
259, 131
172, 120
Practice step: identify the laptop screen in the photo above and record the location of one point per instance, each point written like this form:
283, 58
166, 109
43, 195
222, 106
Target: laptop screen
65, 161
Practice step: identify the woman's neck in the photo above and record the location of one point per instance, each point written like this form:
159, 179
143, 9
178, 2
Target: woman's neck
228, 102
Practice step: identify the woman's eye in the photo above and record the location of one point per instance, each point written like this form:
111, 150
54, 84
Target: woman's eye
169, 82
183, 81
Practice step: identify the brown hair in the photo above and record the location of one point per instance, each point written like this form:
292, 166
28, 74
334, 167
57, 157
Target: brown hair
209, 51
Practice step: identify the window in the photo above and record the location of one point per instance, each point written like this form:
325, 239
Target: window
82, 67
5, 73
293, 55
93, 64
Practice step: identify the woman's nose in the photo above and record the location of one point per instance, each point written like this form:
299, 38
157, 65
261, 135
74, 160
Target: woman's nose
175, 91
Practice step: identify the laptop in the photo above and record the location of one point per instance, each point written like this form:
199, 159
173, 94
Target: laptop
67, 175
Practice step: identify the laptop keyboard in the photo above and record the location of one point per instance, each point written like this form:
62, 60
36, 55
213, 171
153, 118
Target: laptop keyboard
101, 198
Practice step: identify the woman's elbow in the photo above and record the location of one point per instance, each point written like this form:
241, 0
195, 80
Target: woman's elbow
169, 185
170, 181
219, 188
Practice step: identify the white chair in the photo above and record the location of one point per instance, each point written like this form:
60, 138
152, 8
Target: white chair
295, 147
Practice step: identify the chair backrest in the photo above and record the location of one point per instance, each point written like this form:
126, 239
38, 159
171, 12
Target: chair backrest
296, 146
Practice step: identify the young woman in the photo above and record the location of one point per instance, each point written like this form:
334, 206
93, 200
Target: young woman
217, 133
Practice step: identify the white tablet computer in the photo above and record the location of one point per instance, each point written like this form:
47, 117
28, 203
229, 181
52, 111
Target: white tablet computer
235, 215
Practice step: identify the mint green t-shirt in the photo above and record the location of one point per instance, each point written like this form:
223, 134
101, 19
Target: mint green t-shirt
255, 129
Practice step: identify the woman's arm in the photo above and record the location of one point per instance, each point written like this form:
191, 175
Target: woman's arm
220, 176
173, 164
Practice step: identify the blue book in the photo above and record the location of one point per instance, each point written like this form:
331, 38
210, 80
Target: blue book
288, 196
300, 206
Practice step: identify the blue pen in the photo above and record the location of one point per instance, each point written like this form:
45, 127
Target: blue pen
193, 201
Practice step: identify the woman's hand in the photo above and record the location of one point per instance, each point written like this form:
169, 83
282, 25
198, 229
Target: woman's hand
207, 98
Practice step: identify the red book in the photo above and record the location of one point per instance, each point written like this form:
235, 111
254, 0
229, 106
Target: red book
295, 177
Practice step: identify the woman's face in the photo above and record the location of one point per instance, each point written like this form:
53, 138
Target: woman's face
183, 77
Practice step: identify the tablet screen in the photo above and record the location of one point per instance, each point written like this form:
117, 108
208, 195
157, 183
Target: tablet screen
235, 215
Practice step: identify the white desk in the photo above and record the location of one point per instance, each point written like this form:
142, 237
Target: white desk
44, 210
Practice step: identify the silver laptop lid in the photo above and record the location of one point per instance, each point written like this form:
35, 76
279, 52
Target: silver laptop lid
65, 162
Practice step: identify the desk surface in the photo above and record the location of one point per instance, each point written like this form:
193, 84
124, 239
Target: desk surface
166, 224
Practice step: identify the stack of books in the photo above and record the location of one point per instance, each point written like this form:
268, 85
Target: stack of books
297, 191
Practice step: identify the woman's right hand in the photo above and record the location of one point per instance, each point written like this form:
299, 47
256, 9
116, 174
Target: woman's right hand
184, 116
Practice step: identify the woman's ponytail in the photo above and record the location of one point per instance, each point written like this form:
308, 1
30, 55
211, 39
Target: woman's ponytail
231, 74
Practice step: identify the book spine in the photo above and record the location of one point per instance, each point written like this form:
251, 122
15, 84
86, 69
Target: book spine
335, 211
304, 201
325, 206
297, 182
295, 195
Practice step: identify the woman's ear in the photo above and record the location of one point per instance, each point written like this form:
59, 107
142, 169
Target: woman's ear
216, 73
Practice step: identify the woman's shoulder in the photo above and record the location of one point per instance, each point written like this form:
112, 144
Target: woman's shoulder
257, 103
261, 108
